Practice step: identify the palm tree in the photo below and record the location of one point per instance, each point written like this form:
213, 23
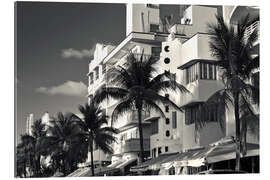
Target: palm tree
136, 88
94, 129
60, 142
25, 153
232, 49
38, 132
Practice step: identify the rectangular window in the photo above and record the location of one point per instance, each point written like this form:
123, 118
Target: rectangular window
156, 51
91, 78
97, 72
154, 127
215, 72
191, 115
210, 71
154, 151
204, 71
166, 148
167, 108
159, 150
192, 73
154, 27
103, 68
174, 120
201, 71
187, 76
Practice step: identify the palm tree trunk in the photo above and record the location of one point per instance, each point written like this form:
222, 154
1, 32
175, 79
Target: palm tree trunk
92, 157
141, 135
237, 130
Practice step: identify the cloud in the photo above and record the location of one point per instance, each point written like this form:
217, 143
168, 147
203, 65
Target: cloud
69, 88
78, 54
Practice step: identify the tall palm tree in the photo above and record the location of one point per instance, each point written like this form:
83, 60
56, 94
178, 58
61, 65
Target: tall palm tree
26, 152
94, 128
38, 132
136, 87
59, 143
232, 49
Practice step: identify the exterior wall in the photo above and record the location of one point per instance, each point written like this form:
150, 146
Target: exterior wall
128, 143
174, 141
182, 52
197, 23
100, 52
98, 155
227, 11
139, 18
210, 133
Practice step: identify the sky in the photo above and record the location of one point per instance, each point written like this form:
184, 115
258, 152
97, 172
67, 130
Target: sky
55, 43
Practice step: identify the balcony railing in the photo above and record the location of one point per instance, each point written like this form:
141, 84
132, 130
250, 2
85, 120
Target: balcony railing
134, 145
250, 29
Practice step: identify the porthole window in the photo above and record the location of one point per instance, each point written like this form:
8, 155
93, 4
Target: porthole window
166, 49
167, 60
167, 133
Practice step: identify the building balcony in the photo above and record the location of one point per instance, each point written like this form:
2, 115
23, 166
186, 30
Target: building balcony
200, 90
132, 145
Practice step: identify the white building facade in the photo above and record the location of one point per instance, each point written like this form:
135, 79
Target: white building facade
183, 49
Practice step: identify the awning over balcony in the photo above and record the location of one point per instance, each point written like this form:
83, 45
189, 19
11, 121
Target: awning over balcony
152, 164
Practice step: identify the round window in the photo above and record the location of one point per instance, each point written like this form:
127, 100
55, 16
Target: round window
167, 60
166, 49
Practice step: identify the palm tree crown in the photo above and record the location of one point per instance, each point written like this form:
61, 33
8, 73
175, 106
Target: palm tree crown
232, 49
136, 87
95, 130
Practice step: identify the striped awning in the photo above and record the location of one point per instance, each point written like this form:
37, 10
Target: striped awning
210, 154
152, 164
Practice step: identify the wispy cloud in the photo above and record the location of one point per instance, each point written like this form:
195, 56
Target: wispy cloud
69, 88
78, 54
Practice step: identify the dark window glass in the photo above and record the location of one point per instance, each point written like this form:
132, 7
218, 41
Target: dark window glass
167, 60
201, 71
187, 75
166, 48
166, 148
167, 121
215, 72
159, 150
174, 120
154, 127
167, 108
154, 27
190, 115
167, 133
97, 72
156, 51
210, 71
103, 68
154, 151
204, 71
91, 78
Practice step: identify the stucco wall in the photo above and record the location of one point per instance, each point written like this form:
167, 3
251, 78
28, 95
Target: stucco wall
134, 18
